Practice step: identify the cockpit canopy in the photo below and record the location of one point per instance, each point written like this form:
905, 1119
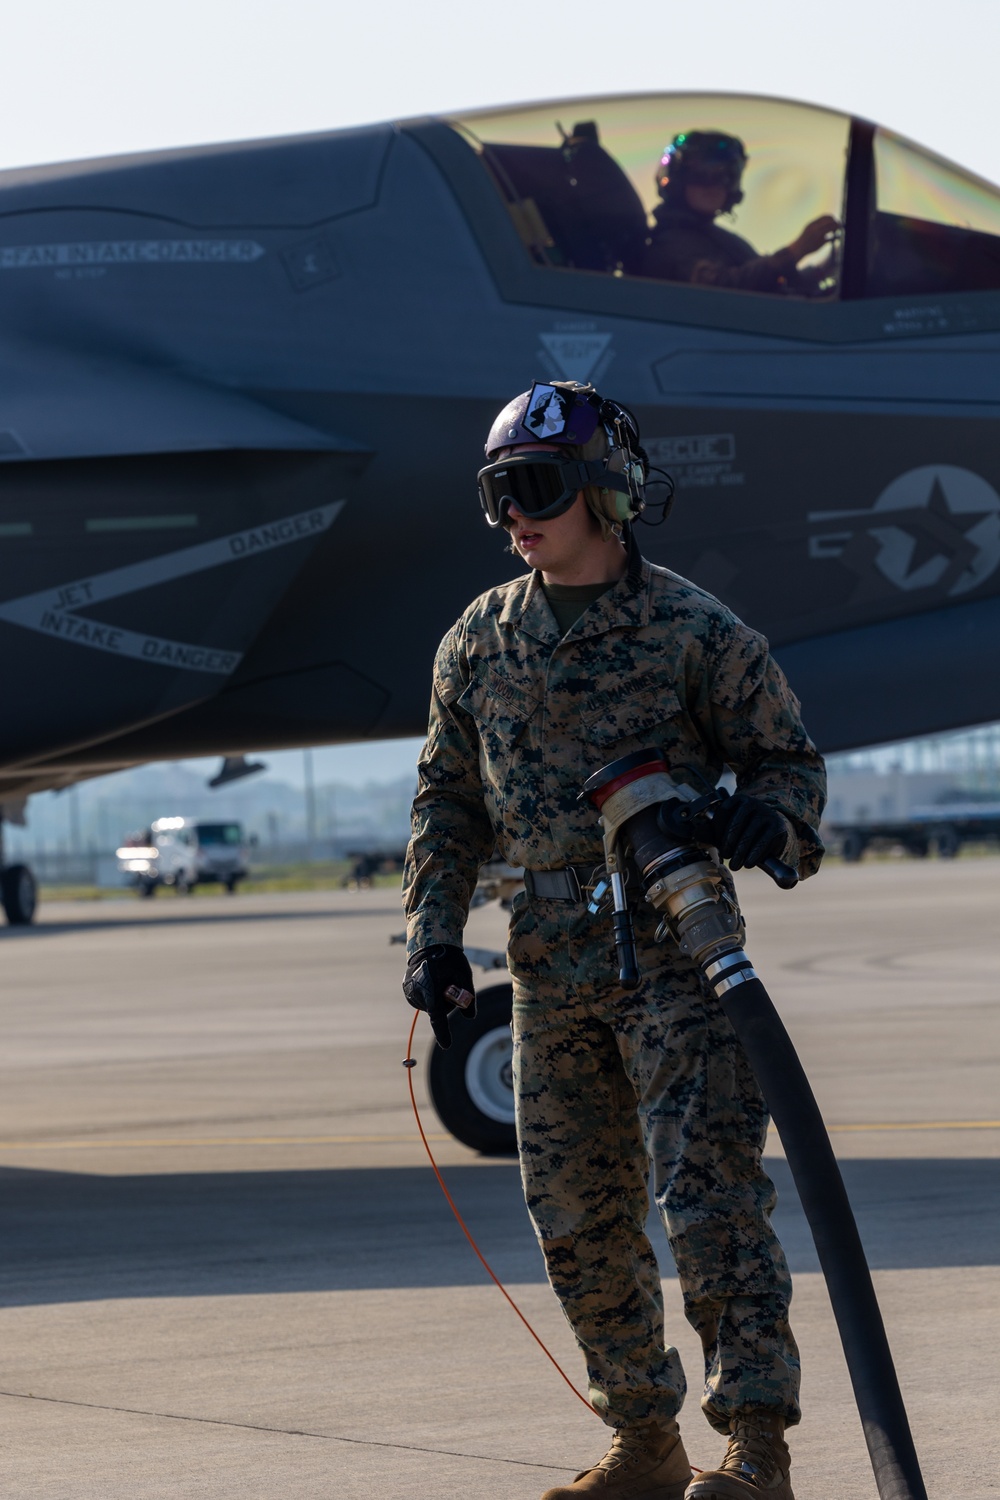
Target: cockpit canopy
580, 180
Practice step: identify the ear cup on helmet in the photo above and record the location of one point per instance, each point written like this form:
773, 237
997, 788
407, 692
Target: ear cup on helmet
622, 461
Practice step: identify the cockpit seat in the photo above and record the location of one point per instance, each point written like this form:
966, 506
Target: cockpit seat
573, 203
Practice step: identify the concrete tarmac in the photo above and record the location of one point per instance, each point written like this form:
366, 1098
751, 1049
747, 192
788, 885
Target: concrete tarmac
227, 1270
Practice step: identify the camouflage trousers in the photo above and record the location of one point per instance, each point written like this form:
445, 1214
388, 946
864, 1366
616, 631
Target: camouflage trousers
610, 1083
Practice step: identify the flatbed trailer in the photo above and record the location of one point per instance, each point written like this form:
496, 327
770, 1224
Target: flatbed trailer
940, 830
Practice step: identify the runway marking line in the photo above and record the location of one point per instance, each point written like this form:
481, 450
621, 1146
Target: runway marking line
175, 1142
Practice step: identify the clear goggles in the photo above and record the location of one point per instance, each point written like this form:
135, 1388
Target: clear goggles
540, 485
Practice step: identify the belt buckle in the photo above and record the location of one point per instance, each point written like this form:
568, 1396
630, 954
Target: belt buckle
573, 881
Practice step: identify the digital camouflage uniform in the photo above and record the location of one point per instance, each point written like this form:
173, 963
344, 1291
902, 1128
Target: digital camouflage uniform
608, 1080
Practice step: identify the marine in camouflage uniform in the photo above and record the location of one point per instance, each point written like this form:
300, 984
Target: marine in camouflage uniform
608, 1081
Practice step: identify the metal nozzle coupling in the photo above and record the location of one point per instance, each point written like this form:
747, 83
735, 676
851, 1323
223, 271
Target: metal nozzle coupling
696, 908
682, 881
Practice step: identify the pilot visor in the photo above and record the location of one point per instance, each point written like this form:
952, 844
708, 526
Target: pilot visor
540, 485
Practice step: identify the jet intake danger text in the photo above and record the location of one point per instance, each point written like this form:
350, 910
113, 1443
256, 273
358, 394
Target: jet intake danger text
277, 533
52, 611
152, 648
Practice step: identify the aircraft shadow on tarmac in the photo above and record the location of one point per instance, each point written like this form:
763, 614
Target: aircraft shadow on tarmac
291, 914
75, 1237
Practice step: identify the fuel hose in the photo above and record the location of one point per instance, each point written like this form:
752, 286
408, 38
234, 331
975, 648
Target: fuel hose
828, 1210
651, 818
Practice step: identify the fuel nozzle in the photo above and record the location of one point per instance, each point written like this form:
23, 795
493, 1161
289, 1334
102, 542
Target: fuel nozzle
647, 820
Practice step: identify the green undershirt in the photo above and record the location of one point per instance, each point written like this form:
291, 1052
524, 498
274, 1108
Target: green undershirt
568, 601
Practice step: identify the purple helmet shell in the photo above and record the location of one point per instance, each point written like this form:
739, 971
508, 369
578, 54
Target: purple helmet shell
545, 414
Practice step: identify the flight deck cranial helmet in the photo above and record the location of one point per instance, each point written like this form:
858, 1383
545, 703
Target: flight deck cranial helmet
596, 449
701, 156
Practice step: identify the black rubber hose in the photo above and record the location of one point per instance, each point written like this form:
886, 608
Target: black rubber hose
827, 1208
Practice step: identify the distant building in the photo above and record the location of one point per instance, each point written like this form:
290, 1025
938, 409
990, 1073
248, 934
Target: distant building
862, 797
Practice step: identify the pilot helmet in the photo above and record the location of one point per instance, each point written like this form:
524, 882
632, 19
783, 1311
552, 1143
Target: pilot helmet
573, 416
701, 155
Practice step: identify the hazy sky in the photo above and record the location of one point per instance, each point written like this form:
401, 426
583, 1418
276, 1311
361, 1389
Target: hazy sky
108, 76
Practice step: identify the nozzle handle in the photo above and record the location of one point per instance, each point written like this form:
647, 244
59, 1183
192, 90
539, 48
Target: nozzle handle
628, 970
783, 875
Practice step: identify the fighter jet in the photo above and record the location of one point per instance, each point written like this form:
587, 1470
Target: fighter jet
245, 389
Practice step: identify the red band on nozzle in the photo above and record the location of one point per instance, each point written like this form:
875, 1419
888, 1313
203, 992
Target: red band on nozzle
649, 767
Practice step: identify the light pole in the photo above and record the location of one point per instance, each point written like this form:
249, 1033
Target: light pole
307, 765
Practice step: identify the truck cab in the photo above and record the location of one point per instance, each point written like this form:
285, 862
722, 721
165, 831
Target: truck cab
185, 852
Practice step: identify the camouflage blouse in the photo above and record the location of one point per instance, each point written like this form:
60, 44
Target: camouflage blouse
521, 717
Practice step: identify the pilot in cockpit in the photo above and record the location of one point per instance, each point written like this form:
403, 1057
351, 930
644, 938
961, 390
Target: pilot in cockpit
699, 178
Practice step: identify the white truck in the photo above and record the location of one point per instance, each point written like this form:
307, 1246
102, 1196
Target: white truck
185, 852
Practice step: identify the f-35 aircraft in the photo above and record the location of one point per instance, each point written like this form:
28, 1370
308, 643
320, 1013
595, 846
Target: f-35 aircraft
245, 389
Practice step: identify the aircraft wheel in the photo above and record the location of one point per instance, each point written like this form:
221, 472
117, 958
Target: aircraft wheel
947, 843
147, 888
231, 886
19, 894
852, 846
471, 1084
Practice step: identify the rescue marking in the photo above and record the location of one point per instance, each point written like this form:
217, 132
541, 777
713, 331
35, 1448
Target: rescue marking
53, 611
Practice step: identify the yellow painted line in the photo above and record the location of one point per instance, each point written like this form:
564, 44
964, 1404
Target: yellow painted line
924, 1125
221, 1140
176, 1142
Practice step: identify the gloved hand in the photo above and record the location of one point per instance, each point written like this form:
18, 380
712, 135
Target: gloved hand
746, 831
439, 981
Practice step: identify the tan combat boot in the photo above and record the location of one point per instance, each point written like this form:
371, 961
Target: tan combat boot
644, 1462
755, 1466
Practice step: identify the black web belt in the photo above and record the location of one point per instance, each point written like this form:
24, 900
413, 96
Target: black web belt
572, 883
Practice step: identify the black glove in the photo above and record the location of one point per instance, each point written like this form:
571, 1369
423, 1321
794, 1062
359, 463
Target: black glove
746, 831
435, 979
